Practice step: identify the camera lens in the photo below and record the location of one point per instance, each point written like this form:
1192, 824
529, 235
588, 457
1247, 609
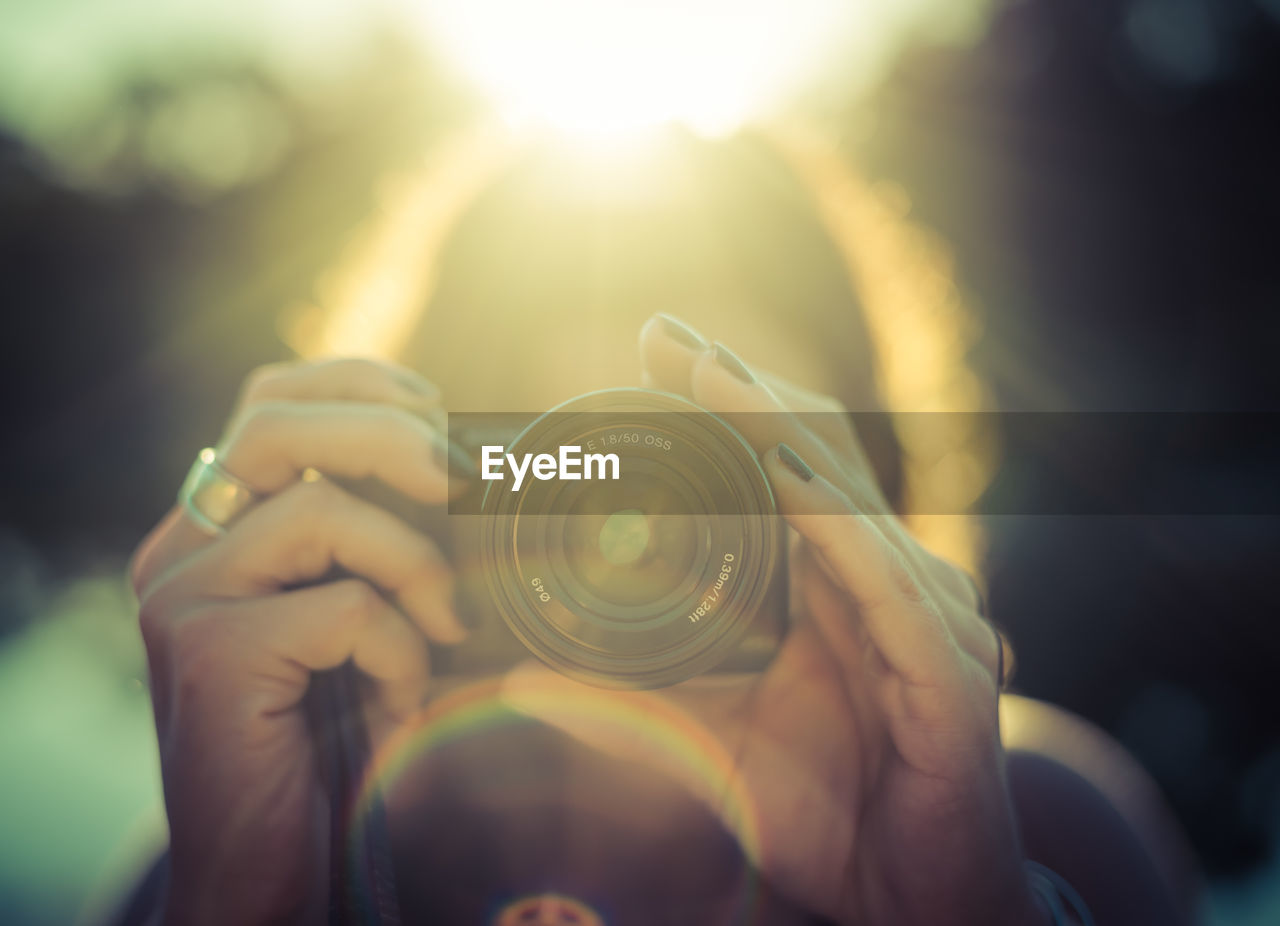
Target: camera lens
646, 579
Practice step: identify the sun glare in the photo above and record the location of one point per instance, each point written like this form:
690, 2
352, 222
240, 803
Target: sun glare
610, 68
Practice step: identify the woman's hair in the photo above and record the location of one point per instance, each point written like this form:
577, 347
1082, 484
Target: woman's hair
557, 264
518, 278
719, 233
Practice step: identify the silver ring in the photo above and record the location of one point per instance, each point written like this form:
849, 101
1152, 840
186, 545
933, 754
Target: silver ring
212, 497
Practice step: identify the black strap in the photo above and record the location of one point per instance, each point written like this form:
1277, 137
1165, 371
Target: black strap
362, 889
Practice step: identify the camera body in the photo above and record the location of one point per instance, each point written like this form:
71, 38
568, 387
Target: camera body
665, 560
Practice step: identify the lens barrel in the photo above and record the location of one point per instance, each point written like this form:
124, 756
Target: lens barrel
644, 580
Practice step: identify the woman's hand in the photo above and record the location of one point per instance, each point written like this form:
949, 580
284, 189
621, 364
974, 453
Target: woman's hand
870, 748
884, 694
233, 630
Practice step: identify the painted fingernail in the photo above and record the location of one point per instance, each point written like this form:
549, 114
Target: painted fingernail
791, 460
729, 360
681, 333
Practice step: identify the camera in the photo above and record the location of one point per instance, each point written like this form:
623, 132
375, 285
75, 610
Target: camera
628, 538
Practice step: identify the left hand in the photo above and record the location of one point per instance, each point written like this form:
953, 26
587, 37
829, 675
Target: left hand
870, 747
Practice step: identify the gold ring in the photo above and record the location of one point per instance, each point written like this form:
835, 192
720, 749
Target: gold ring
212, 497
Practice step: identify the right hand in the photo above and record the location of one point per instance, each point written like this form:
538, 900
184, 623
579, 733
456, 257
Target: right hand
232, 639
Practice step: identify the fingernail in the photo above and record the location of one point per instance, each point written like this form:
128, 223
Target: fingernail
791, 460
681, 333
453, 458
729, 360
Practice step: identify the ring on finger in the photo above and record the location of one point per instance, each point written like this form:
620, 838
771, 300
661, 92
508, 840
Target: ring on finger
212, 497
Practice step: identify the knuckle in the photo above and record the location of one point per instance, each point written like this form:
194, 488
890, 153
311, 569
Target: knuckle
319, 498
358, 599
156, 553
139, 572
832, 405
251, 443
408, 432
965, 588
864, 492
247, 435
154, 621
318, 505
262, 381
822, 409
364, 369
954, 580
402, 420
983, 683
161, 606
904, 577
259, 422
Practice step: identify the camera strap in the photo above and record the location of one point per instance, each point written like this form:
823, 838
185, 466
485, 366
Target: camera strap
362, 889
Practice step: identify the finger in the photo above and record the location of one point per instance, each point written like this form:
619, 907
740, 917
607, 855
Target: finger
274, 442
343, 378
828, 605
174, 538
824, 415
312, 629
668, 349
352, 379
725, 385
355, 379
901, 621
304, 532
393, 654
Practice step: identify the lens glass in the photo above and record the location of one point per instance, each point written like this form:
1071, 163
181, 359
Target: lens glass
624, 538
628, 544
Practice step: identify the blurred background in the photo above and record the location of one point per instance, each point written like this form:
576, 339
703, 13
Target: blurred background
1046, 205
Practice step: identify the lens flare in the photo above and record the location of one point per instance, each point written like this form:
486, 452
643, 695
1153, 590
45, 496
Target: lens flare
680, 743
547, 908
